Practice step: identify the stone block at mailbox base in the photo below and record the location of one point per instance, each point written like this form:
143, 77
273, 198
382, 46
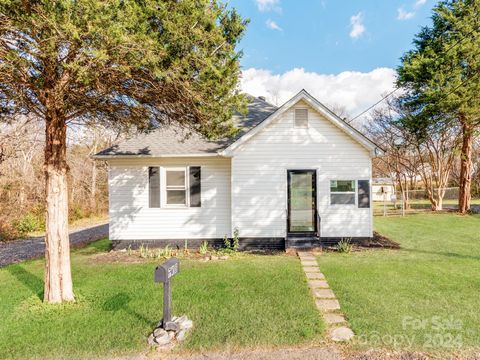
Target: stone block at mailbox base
166, 340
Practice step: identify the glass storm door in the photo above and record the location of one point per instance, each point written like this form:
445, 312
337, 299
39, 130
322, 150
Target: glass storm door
301, 201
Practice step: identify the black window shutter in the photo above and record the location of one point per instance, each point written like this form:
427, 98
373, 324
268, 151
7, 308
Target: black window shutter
364, 194
154, 187
195, 186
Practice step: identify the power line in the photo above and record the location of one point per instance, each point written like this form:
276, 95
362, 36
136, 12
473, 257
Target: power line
398, 88
372, 106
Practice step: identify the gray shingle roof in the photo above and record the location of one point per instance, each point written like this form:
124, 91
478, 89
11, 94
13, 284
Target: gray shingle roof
173, 140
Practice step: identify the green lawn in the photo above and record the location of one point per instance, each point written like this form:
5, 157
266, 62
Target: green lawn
424, 296
246, 301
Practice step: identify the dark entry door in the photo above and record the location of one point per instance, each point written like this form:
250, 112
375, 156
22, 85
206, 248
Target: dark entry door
302, 202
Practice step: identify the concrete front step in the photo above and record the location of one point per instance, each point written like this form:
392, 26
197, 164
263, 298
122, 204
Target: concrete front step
303, 244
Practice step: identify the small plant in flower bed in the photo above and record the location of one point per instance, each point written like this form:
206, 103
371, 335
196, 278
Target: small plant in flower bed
146, 253
344, 246
203, 248
231, 246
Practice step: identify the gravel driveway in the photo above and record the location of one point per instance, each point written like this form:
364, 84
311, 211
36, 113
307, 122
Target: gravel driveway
20, 250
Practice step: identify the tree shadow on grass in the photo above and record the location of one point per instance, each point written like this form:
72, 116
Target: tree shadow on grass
120, 302
446, 254
31, 281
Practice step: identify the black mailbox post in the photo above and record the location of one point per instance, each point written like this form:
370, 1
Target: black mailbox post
163, 274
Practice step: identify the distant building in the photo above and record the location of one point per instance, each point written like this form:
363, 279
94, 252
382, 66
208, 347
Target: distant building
382, 189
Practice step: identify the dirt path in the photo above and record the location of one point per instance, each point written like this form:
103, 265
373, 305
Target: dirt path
282, 354
312, 353
12, 252
326, 352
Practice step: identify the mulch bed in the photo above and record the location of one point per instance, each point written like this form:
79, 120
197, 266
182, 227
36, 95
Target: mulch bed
378, 241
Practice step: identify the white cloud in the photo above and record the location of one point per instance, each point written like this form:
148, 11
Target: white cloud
268, 5
405, 15
419, 3
356, 22
351, 90
272, 25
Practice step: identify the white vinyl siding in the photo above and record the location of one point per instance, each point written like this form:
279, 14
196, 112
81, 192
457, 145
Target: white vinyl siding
132, 219
259, 176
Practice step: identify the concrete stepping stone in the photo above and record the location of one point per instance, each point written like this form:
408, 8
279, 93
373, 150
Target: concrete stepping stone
311, 269
324, 294
328, 305
341, 334
333, 319
316, 284
314, 275
308, 263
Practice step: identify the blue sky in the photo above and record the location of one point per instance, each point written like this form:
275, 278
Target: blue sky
337, 49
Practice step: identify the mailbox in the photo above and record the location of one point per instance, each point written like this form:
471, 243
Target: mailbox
163, 273
167, 270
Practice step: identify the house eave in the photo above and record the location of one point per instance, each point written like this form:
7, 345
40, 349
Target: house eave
111, 157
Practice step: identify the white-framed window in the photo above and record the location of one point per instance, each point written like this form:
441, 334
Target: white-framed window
176, 187
342, 192
301, 118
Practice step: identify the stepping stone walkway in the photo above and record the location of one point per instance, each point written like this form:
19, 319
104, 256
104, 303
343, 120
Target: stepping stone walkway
325, 299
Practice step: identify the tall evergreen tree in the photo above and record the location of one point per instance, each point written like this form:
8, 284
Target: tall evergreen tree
116, 62
441, 76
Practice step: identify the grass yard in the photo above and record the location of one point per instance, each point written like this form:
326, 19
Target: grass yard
246, 301
422, 297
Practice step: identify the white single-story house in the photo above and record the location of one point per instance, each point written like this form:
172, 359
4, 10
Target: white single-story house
295, 176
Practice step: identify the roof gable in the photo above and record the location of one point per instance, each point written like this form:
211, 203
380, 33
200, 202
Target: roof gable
316, 105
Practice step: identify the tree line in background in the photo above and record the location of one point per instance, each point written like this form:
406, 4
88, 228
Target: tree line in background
22, 188
430, 126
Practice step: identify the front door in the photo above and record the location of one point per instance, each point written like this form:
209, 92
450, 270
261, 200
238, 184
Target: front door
302, 202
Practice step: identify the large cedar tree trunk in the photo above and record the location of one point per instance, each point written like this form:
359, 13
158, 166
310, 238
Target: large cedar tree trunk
464, 196
58, 277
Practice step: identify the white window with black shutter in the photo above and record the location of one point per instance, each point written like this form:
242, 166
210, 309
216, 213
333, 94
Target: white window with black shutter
174, 186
